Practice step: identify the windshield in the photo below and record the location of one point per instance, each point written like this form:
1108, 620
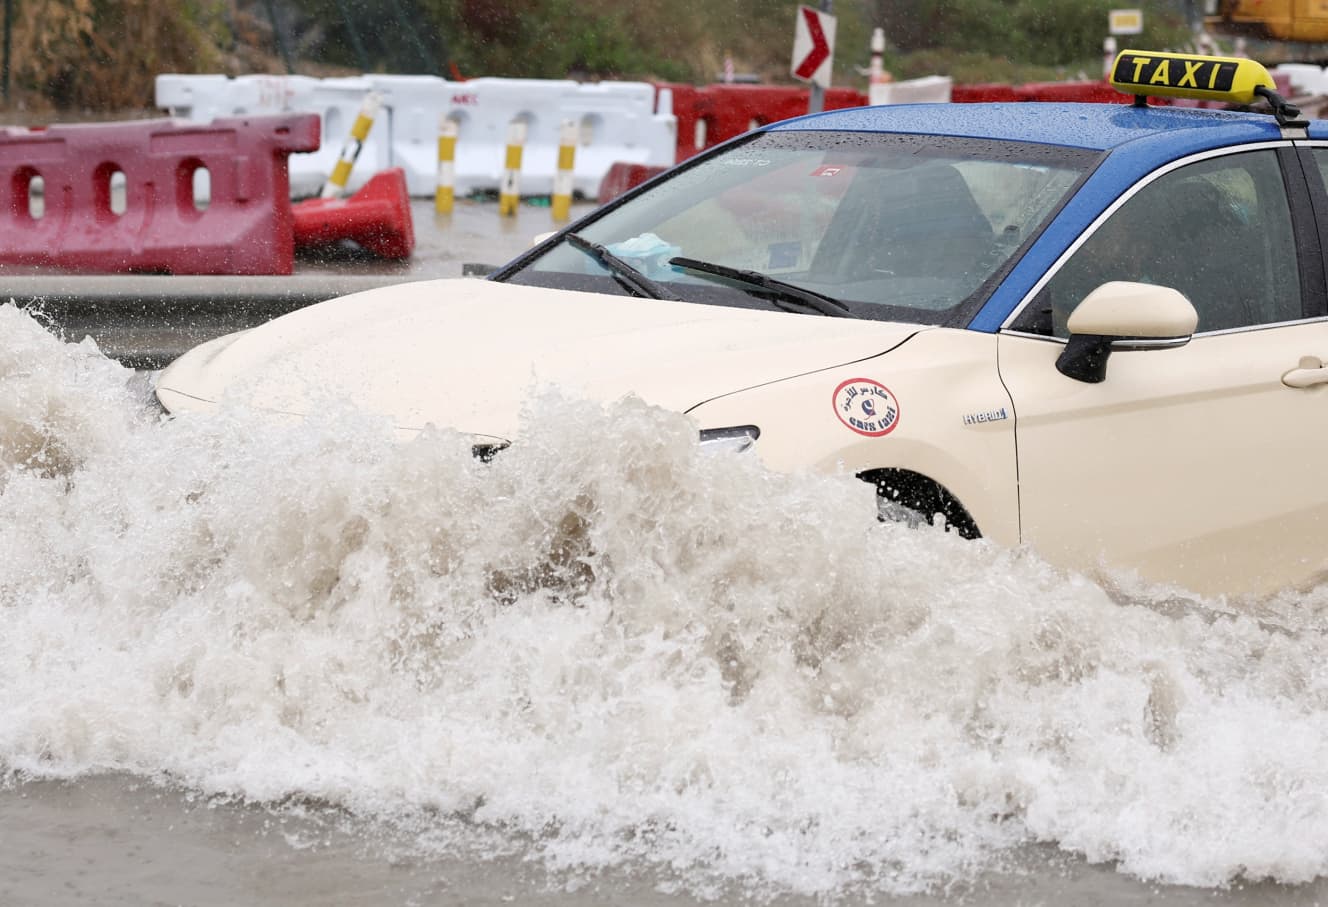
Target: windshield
896, 227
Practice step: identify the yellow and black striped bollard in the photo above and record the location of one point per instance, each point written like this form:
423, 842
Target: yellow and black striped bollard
445, 194
561, 202
359, 132
509, 195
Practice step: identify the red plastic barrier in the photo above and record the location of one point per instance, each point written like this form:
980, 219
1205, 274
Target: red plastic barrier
687, 109
716, 113
72, 223
982, 93
623, 176
1076, 92
377, 217
1083, 92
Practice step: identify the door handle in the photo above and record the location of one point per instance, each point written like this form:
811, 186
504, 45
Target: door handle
1308, 373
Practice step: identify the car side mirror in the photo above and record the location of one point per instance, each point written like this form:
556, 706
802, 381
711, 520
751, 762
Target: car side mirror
1122, 315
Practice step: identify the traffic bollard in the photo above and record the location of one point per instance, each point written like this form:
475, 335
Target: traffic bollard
562, 177
359, 132
509, 194
444, 195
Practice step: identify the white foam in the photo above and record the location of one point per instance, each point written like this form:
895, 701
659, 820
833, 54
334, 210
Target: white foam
619, 650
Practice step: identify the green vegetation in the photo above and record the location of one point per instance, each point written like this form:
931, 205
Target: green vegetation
1013, 40
684, 40
102, 55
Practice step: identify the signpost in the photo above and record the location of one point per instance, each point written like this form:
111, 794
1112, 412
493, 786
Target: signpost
814, 51
1119, 22
1125, 22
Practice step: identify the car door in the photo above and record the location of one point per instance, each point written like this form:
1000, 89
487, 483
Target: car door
1200, 465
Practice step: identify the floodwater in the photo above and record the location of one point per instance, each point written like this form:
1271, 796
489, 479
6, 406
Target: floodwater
251, 662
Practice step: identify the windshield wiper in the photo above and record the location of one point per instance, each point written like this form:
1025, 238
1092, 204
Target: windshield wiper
789, 297
627, 275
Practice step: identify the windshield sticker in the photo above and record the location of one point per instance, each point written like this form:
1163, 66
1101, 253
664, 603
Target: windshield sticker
827, 170
867, 407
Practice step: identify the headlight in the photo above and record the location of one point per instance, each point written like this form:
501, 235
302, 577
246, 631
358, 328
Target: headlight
734, 439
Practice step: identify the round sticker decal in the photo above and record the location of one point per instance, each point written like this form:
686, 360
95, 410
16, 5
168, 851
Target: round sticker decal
867, 407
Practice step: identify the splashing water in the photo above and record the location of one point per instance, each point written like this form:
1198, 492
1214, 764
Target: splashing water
618, 650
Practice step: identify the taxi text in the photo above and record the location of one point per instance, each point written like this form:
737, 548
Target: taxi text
1172, 72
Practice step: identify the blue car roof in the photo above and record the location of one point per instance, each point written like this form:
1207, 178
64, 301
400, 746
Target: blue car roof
1100, 127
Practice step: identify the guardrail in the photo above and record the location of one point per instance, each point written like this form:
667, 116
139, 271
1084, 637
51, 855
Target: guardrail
145, 322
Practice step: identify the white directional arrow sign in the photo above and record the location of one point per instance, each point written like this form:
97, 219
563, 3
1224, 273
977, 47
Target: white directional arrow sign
813, 46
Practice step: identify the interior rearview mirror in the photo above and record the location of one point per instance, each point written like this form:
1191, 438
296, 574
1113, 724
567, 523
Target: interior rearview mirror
1123, 315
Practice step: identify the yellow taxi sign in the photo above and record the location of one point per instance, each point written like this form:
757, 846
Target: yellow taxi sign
1231, 79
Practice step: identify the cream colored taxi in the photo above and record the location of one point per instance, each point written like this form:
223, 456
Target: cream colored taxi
1097, 329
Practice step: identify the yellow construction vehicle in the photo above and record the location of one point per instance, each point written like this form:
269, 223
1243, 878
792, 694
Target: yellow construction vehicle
1281, 20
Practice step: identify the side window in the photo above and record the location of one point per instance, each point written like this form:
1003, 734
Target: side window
1321, 158
1218, 230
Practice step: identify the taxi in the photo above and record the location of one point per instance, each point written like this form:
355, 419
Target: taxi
1097, 330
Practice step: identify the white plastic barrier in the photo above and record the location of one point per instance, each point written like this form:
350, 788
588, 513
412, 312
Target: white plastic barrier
483, 109
617, 122
1306, 78
411, 107
926, 90
202, 98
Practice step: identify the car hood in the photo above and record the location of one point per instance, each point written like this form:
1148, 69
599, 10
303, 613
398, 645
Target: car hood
466, 353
